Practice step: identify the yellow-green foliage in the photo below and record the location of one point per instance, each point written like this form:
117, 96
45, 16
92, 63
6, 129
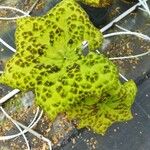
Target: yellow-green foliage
49, 61
48, 40
112, 106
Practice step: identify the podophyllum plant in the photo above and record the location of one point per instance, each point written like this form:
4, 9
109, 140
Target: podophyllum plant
50, 62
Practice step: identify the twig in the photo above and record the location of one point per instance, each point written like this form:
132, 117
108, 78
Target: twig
13, 121
120, 17
7, 45
36, 134
12, 18
129, 57
31, 125
29, 129
8, 96
142, 9
16, 9
32, 7
122, 28
123, 77
145, 37
145, 6
25, 14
